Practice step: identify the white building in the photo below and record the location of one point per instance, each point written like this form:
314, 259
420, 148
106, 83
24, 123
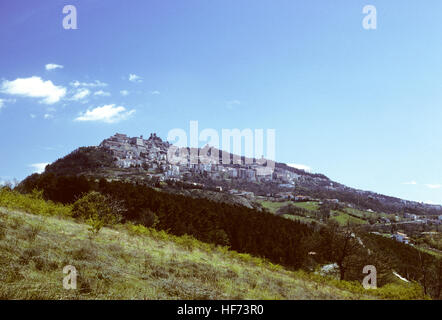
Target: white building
401, 237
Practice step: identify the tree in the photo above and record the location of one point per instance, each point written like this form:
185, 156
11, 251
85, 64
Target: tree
341, 245
424, 269
324, 211
98, 210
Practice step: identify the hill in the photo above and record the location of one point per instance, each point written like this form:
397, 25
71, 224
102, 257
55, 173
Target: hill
131, 262
153, 161
256, 232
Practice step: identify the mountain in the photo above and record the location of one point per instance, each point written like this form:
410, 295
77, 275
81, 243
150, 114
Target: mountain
156, 162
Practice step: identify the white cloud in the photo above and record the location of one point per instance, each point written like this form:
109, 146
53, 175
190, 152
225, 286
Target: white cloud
124, 92
94, 84
48, 116
300, 167
108, 114
156, 92
33, 116
81, 94
39, 167
434, 186
101, 93
410, 182
34, 87
135, 78
53, 66
4, 101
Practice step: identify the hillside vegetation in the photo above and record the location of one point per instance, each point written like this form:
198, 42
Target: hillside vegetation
259, 233
130, 261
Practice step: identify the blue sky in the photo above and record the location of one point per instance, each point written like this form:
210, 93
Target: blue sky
361, 106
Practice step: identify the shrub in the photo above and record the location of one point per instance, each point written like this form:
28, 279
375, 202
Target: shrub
96, 223
138, 229
411, 291
148, 218
32, 203
97, 210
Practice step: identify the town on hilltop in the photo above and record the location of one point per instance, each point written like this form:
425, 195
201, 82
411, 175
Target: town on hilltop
158, 159
154, 155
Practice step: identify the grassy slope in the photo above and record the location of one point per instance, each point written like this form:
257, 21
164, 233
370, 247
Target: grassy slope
310, 205
116, 264
342, 218
133, 262
273, 206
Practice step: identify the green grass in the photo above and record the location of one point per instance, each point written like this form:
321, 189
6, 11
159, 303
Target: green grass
274, 206
433, 252
367, 214
310, 205
133, 262
343, 218
360, 213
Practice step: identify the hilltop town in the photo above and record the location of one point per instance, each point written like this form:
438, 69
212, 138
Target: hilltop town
168, 162
158, 163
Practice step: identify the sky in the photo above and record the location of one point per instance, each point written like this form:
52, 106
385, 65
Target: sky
360, 106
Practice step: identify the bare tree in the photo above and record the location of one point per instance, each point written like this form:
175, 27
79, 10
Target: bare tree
424, 268
340, 244
347, 248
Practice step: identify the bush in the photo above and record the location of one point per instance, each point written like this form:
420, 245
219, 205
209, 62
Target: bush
148, 218
32, 203
95, 223
97, 210
411, 291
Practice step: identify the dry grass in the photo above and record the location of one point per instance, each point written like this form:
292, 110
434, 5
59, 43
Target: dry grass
129, 262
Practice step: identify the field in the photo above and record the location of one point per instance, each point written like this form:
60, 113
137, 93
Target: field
343, 218
274, 206
339, 216
310, 205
